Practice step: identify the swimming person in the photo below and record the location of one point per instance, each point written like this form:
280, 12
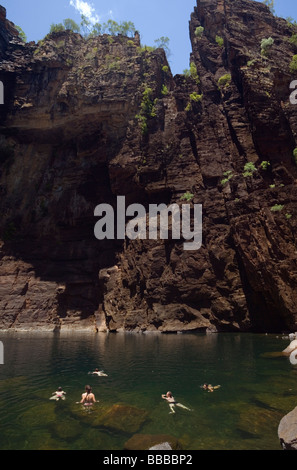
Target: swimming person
58, 395
100, 373
209, 387
172, 402
88, 398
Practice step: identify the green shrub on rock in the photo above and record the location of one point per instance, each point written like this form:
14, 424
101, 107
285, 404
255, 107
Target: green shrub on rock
293, 39
164, 90
195, 97
293, 64
266, 45
228, 176
249, 169
220, 41
277, 208
199, 31
264, 165
147, 109
187, 196
224, 81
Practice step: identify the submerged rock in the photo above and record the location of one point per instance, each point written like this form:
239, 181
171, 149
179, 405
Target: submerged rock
39, 415
280, 402
67, 428
153, 442
124, 418
43, 440
257, 421
13, 382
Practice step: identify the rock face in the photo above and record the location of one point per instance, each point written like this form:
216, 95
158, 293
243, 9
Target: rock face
86, 121
8, 33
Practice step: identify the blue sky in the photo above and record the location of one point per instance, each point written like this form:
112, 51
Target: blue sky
153, 19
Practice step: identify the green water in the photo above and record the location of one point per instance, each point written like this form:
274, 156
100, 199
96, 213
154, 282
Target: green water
258, 387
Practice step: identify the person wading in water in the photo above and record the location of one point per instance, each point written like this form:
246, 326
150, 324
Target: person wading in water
88, 398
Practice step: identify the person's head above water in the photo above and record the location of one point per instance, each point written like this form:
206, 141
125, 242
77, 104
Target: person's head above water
169, 394
88, 389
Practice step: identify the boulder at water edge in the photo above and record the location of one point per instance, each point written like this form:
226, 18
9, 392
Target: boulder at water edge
287, 431
291, 347
162, 446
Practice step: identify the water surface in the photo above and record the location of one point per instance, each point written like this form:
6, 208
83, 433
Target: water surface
258, 387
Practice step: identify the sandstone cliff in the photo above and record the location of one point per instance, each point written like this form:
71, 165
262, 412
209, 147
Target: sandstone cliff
74, 134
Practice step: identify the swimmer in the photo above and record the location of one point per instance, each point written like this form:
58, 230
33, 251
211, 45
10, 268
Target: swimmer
209, 387
172, 402
58, 395
88, 398
98, 372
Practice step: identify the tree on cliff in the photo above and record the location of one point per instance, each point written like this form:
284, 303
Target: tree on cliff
87, 29
270, 4
68, 24
22, 35
163, 43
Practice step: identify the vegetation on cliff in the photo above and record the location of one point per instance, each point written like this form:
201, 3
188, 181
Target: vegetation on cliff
87, 29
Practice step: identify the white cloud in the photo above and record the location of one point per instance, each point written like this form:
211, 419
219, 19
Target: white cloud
86, 9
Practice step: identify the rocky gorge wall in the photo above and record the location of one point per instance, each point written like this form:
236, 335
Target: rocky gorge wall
85, 121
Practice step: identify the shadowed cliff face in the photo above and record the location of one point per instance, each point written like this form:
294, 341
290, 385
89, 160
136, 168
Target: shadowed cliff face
75, 133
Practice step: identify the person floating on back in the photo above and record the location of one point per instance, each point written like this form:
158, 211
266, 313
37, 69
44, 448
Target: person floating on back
58, 395
172, 402
100, 373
